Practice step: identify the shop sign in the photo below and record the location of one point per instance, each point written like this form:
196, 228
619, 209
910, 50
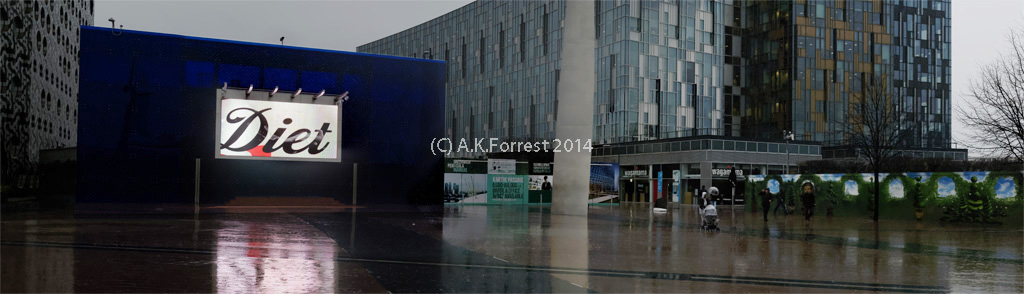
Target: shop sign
724, 172
637, 173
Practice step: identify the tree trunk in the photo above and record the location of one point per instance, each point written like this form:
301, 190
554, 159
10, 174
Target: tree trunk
877, 208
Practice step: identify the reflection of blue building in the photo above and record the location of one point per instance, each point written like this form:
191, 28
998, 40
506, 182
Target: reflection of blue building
604, 177
148, 112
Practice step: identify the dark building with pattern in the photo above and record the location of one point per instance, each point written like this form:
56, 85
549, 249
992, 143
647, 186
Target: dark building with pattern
39, 53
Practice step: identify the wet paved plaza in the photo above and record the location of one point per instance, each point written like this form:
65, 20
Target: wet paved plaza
501, 249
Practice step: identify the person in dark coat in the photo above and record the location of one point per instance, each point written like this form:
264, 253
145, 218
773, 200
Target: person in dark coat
718, 198
780, 202
766, 202
808, 200
703, 201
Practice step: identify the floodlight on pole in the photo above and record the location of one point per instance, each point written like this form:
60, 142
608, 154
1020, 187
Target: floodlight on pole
341, 98
112, 31
788, 135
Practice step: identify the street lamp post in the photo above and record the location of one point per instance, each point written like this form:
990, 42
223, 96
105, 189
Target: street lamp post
788, 135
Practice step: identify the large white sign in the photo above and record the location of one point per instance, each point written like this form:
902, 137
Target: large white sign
271, 130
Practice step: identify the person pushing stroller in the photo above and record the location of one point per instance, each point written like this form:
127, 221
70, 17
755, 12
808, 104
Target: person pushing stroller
708, 213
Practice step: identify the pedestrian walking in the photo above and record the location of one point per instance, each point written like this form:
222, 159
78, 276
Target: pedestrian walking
703, 191
808, 200
780, 201
719, 197
766, 202
702, 203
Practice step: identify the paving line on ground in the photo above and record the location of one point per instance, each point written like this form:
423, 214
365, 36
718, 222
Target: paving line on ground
683, 277
556, 270
924, 249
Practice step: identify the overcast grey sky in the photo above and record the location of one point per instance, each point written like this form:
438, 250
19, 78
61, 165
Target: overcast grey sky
979, 26
979, 35
335, 25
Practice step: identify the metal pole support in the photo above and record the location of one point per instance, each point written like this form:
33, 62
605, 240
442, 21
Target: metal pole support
196, 200
355, 182
733, 195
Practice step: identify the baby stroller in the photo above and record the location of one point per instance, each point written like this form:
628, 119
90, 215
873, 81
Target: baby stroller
709, 215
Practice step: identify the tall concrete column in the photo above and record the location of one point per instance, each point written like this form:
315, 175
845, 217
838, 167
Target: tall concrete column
569, 237
571, 184
705, 174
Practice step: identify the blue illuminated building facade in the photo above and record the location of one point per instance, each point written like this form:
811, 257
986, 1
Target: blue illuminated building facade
148, 105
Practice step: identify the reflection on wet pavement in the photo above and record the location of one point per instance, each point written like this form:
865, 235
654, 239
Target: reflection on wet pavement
262, 258
502, 249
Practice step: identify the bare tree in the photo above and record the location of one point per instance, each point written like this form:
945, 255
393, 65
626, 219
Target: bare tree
994, 106
876, 127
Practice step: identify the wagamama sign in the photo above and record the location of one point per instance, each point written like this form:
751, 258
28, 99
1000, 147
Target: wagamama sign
270, 130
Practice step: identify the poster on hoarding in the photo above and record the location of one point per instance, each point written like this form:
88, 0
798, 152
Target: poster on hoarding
507, 189
501, 166
541, 168
541, 183
540, 188
604, 182
675, 186
465, 166
272, 130
465, 188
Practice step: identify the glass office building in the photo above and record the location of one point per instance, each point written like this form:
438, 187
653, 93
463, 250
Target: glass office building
671, 73
809, 60
671, 69
660, 68
503, 66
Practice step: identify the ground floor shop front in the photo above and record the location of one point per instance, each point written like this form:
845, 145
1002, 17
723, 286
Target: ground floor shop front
677, 169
